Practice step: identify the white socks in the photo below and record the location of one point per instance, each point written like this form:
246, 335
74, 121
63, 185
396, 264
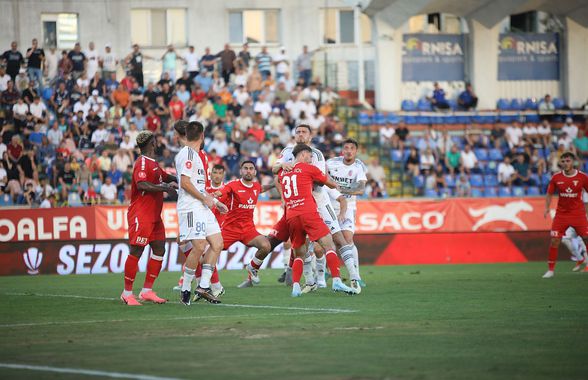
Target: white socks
207, 270
188, 277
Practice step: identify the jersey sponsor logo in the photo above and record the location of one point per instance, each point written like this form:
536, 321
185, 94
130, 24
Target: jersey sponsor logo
249, 201
33, 259
142, 175
507, 213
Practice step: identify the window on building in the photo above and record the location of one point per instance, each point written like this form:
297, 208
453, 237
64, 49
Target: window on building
60, 30
158, 27
339, 27
433, 23
254, 26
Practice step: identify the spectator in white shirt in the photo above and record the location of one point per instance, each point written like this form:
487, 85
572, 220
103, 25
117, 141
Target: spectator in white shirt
427, 160
127, 144
241, 95
54, 135
288, 82
294, 106
544, 133
514, 135
282, 63
109, 62
546, 105
263, 106
122, 160
4, 79
506, 172
108, 191
570, 129
82, 105
38, 110
565, 140
93, 60
386, 134
468, 159
530, 133
329, 95
219, 144
312, 92
191, 60
309, 107
100, 135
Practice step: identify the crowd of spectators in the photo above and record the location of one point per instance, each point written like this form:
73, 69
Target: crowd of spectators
69, 119
520, 155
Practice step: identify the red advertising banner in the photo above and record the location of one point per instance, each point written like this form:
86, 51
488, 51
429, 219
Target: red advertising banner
373, 217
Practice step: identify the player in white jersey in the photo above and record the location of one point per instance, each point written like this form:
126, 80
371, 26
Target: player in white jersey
350, 174
197, 222
303, 135
576, 244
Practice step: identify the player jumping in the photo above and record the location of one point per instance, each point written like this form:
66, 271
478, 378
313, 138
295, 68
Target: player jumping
144, 218
302, 217
570, 212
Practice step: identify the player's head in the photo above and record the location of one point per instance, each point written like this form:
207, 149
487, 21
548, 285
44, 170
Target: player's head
302, 153
180, 129
194, 131
303, 134
146, 141
567, 161
350, 149
217, 174
248, 170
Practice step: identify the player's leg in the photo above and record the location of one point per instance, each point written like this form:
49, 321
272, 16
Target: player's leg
558, 229
286, 256
571, 241
308, 271
348, 235
198, 246
264, 247
185, 248
326, 242
298, 238
321, 265
345, 250
215, 240
157, 243
131, 269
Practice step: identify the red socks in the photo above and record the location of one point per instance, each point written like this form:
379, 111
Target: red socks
131, 268
214, 278
333, 263
552, 257
153, 269
297, 267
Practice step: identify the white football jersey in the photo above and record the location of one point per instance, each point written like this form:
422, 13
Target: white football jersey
347, 175
318, 160
189, 163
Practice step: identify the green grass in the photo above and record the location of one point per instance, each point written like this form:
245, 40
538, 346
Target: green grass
426, 322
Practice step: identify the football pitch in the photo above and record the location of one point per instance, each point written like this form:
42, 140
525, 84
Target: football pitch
411, 322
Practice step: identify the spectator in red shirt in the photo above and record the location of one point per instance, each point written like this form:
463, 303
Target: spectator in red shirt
15, 148
176, 108
257, 132
153, 122
198, 94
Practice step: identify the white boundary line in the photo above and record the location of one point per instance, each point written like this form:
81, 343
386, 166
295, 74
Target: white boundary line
88, 372
32, 324
313, 309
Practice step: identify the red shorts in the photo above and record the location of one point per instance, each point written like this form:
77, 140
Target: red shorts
561, 224
244, 235
280, 230
307, 224
142, 234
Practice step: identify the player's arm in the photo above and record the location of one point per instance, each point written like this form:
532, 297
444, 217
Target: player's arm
153, 188
356, 188
269, 186
189, 188
322, 179
170, 178
548, 197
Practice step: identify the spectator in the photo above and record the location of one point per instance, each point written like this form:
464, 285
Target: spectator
453, 160
581, 145
219, 144
530, 134
546, 106
227, 60
250, 146
264, 62
135, 62
244, 58
544, 133
13, 60
176, 108
506, 172
570, 129
468, 159
204, 80
208, 61
191, 60
78, 60
120, 97
304, 65
463, 187
22, 80
565, 140
438, 100
64, 66
100, 135
376, 171
514, 134
264, 107
467, 100
93, 65
282, 63
4, 79
427, 160
55, 135
402, 134
109, 62
35, 63
108, 191
66, 178
522, 175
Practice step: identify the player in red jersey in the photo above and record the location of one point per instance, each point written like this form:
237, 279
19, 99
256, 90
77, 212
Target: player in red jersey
570, 211
303, 218
144, 219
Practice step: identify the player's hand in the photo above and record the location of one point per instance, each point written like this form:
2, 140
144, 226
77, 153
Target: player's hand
341, 218
546, 213
286, 166
217, 193
222, 208
209, 201
169, 188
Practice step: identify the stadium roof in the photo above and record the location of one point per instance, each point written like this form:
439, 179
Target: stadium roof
487, 12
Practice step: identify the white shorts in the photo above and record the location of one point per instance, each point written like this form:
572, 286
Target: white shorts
570, 233
329, 217
197, 225
349, 222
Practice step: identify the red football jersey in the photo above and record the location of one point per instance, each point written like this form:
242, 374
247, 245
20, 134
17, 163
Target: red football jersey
569, 189
297, 188
220, 218
146, 205
241, 201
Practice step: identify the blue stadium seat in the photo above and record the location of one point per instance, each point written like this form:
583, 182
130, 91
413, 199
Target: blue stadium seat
438, 120
558, 103
476, 180
490, 180
545, 178
518, 191
380, 118
410, 120
504, 191
452, 103
531, 104
490, 192
396, 155
491, 168
489, 119
495, 154
536, 179
463, 119
446, 192
481, 154
449, 180
424, 119
503, 105
6, 200
405, 155
451, 119
408, 105
47, 93
418, 181
533, 118
424, 105
477, 193
364, 118
515, 105
431, 193
458, 141
394, 119
533, 191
